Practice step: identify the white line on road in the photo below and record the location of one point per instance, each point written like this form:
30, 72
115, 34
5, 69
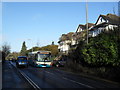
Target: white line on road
28, 79
78, 82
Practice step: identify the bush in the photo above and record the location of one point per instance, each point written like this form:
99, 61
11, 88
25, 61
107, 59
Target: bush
100, 57
102, 50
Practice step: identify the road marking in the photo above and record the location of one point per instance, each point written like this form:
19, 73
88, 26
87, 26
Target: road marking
30, 81
78, 82
27, 78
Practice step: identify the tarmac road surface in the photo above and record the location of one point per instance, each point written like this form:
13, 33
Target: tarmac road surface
49, 78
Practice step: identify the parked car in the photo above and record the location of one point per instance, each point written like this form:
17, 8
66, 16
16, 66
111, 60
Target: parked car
59, 63
22, 61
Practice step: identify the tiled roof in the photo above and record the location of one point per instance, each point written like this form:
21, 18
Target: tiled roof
67, 36
89, 25
112, 18
84, 26
81, 25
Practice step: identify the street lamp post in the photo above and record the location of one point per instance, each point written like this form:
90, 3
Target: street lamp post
31, 44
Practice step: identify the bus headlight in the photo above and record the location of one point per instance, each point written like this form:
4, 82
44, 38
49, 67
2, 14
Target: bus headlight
36, 63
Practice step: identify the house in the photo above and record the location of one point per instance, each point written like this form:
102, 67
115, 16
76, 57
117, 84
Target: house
80, 33
75, 36
65, 42
64, 46
80, 28
69, 40
104, 23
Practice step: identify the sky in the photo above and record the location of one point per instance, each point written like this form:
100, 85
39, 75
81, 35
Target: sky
40, 23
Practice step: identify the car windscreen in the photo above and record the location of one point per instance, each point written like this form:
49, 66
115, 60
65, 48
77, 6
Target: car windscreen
22, 58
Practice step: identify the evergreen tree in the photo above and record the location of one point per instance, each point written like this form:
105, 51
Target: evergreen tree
52, 43
23, 51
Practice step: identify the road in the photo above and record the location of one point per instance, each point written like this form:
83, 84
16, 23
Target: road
48, 78
11, 78
0, 75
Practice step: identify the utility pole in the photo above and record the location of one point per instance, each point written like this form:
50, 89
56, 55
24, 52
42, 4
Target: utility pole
31, 44
87, 19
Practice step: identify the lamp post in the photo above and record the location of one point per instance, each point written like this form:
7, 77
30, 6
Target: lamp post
31, 44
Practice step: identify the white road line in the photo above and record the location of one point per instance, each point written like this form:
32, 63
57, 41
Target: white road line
28, 79
78, 82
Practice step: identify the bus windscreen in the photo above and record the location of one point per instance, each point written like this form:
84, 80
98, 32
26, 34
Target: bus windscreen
43, 57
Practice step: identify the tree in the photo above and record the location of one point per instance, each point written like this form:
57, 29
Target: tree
23, 51
5, 50
52, 48
52, 43
12, 55
102, 50
67, 36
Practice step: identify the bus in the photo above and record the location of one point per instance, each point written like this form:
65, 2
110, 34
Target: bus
40, 58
